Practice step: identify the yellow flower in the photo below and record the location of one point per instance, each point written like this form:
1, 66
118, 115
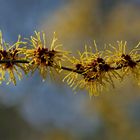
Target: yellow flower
10, 56
125, 61
42, 57
91, 72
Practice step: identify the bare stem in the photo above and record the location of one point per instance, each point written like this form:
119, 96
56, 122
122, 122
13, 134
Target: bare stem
13, 61
62, 67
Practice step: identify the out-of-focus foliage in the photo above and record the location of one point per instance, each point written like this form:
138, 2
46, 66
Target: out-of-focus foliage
13, 127
59, 135
123, 23
83, 22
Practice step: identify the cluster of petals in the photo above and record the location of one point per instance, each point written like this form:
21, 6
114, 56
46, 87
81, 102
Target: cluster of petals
93, 70
96, 70
29, 56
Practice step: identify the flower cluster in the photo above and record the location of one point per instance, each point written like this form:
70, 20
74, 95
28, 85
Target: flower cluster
42, 57
93, 70
10, 56
96, 70
126, 61
29, 56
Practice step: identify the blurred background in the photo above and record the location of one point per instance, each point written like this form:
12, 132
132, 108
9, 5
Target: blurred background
36, 110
